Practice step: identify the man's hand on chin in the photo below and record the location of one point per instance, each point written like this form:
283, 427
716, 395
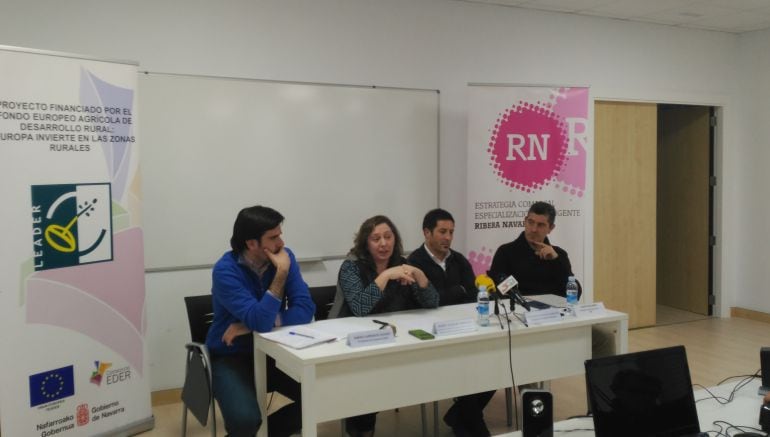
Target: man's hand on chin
280, 259
544, 251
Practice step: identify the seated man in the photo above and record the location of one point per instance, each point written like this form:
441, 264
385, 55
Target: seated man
256, 286
452, 276
541, 268
537, 266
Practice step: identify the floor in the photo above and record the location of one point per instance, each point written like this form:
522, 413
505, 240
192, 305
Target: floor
665, 315
716, 349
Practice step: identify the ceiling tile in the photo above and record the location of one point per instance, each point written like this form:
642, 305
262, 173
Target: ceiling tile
740, 22
742, 5
635, 8
690, 13
565, 5
733, 16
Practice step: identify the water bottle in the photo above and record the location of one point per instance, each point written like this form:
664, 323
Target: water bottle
482, 306
572, 292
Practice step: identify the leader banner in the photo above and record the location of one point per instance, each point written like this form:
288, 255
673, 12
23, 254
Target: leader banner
72, 292
527, 144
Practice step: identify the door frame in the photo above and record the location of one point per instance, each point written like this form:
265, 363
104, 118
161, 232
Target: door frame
718, 307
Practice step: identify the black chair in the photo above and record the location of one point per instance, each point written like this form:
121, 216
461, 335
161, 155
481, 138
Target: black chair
197, 392
323, 297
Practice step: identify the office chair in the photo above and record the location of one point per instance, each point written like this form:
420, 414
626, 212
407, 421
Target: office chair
197, 392
323, 297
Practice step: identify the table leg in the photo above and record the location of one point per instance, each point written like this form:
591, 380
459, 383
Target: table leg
621, 337
260, 380
611, 338
309, 425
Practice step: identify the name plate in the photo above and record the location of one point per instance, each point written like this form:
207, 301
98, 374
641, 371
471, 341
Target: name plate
448, 327
541, 317
590, 309
371, 338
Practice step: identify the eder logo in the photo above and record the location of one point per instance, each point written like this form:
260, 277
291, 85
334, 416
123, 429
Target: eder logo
98, 374
72, 224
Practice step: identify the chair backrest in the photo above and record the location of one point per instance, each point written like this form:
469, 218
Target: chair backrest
339, 307
323, 297
196, 392
200, 314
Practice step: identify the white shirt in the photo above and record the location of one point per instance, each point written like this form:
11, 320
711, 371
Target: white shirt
441, 263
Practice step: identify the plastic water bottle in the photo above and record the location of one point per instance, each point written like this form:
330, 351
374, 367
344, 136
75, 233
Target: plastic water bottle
482, 306
572, 292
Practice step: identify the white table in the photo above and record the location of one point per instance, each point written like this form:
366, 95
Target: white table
339, 381
742, 411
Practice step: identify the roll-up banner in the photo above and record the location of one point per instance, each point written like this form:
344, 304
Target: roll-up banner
528, 144
72, 292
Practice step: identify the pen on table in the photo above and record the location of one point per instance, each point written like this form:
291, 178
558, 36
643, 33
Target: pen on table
301, 334
384, 324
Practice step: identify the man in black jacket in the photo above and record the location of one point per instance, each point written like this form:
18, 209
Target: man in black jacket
537, 266
452, 276
448, 270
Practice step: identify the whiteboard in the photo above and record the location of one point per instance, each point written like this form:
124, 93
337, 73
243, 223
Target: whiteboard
326, 156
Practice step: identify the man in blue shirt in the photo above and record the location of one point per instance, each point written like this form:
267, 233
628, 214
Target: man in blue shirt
256, 286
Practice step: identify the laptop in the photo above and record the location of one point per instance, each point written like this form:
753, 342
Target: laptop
764, 363
642, 394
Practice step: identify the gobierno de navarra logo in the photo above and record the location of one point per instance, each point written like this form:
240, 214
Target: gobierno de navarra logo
71, 224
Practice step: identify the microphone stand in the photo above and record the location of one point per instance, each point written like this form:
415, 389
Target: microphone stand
497, 309
513, 308
515, 294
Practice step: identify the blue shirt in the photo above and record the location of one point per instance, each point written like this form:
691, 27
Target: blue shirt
240, 295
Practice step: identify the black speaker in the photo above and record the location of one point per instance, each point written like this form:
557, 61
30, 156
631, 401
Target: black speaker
537, 413
764, 362
764, 417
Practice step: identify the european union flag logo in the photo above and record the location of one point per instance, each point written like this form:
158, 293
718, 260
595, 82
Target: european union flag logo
51, 385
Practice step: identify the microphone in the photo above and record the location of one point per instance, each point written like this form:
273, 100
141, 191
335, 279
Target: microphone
485, 280
509, 284
519, 298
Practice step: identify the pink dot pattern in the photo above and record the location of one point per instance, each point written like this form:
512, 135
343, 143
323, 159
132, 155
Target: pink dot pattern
529, 120
480, 259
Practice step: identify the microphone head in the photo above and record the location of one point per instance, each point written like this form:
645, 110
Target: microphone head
507, 285
485, 280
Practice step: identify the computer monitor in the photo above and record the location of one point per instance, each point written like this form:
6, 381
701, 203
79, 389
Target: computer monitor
764, 362
642, 394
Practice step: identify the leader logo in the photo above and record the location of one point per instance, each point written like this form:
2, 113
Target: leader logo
529, 146
72, 224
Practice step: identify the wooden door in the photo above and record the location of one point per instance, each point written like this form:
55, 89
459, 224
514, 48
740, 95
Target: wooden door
684, 143
625, 139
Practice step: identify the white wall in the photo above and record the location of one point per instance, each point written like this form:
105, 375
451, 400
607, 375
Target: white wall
752, 159
439, 44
